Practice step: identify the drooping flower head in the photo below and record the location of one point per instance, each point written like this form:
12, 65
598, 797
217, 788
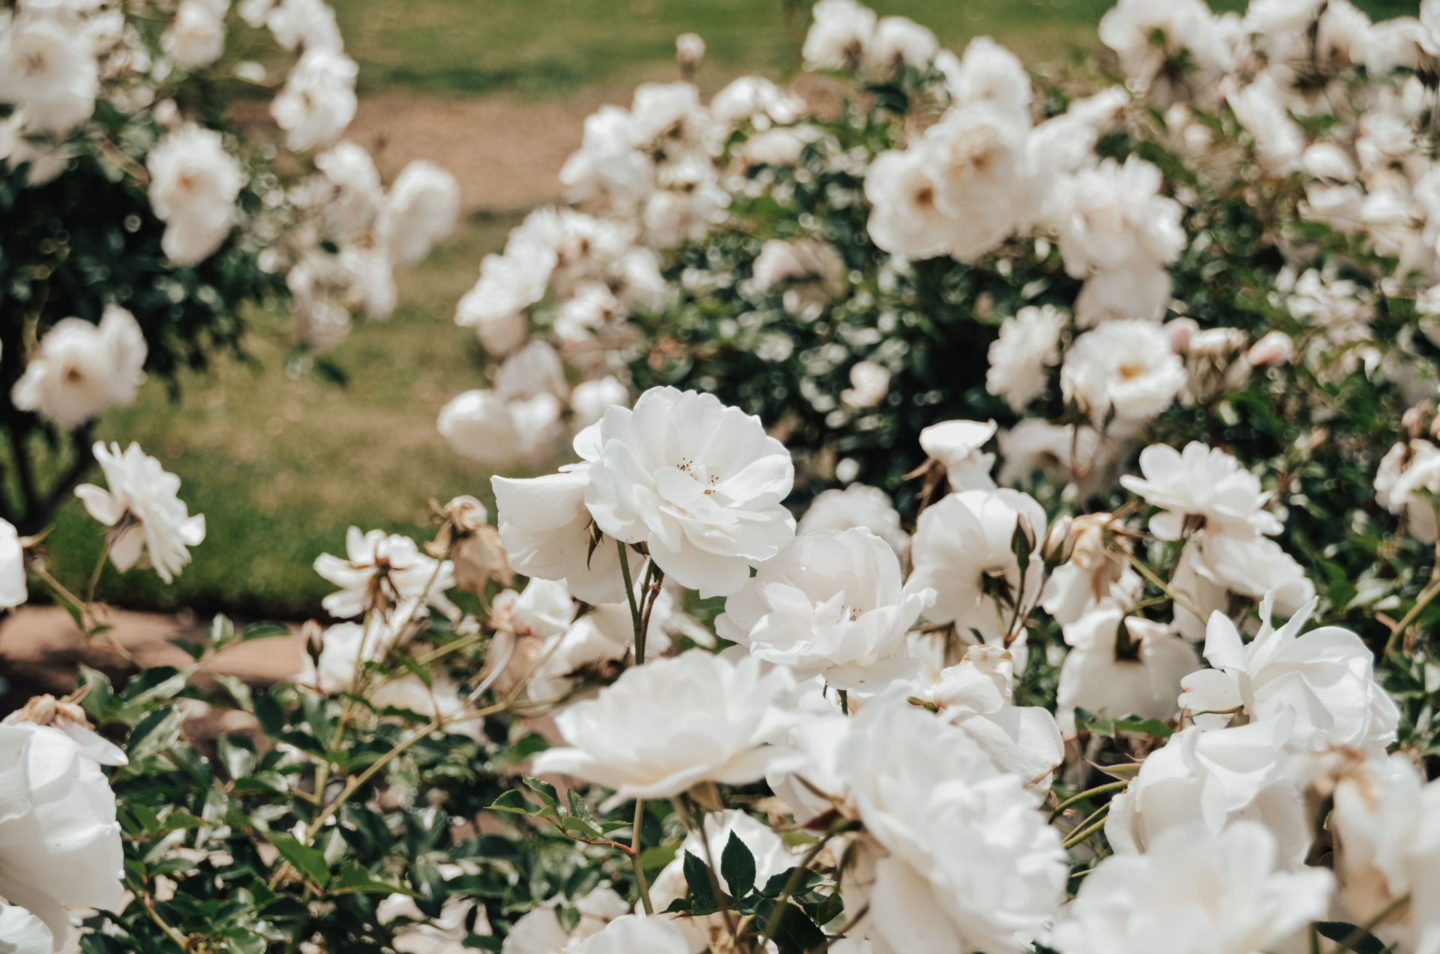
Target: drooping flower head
142, 508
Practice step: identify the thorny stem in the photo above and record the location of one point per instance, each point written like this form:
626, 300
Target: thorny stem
99, 568
1088, 793
634, 607
1432, 589
654, 577
148, 903
1090, 828
640, 881
87, 617
1154, 579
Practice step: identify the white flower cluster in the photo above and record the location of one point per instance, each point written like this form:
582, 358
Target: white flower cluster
1332, 131
323, 219
854, 688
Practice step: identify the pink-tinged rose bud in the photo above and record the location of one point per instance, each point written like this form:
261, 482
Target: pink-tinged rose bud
1275, 348
1413, 420
1181, 331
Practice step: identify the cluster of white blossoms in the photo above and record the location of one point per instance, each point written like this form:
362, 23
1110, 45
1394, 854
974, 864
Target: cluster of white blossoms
320, 215
882, 690
985, 171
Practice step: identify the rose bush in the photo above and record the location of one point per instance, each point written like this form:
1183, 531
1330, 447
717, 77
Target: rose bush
1126, 643
145, 222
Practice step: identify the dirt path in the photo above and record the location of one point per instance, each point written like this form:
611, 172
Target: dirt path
507, 152
41, 650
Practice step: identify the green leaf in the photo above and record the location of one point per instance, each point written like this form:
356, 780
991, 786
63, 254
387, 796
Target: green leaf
269, 713
263, 631
578, 808
737, 865
545, 790
697, 876
353, 879
155, 733
308, 861
515, 802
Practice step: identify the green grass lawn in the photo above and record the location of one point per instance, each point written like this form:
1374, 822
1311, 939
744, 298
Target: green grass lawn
280, 465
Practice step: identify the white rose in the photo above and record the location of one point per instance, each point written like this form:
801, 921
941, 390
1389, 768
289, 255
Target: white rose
964, 550
1386, 825
539, 932
671, 723
546, 531
636, 934
59, 840
838, 37
700, 483
387, 567
1124, 368
318, 100
1028, 344
1062, 452
987, 71
1194, 892
81, 370
1112, 216
1215, 778
869, 384
977, 694
895, 43
956, 446
421, 209
923, 787
858, 505
13, 591
483, 426
1142, 680
534, 369
193, 186
1324, 679
143, 510
1201, 482
1122, 294
830, 604
47, 69
1406, 474
1215, 564
23, 932
197, 37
